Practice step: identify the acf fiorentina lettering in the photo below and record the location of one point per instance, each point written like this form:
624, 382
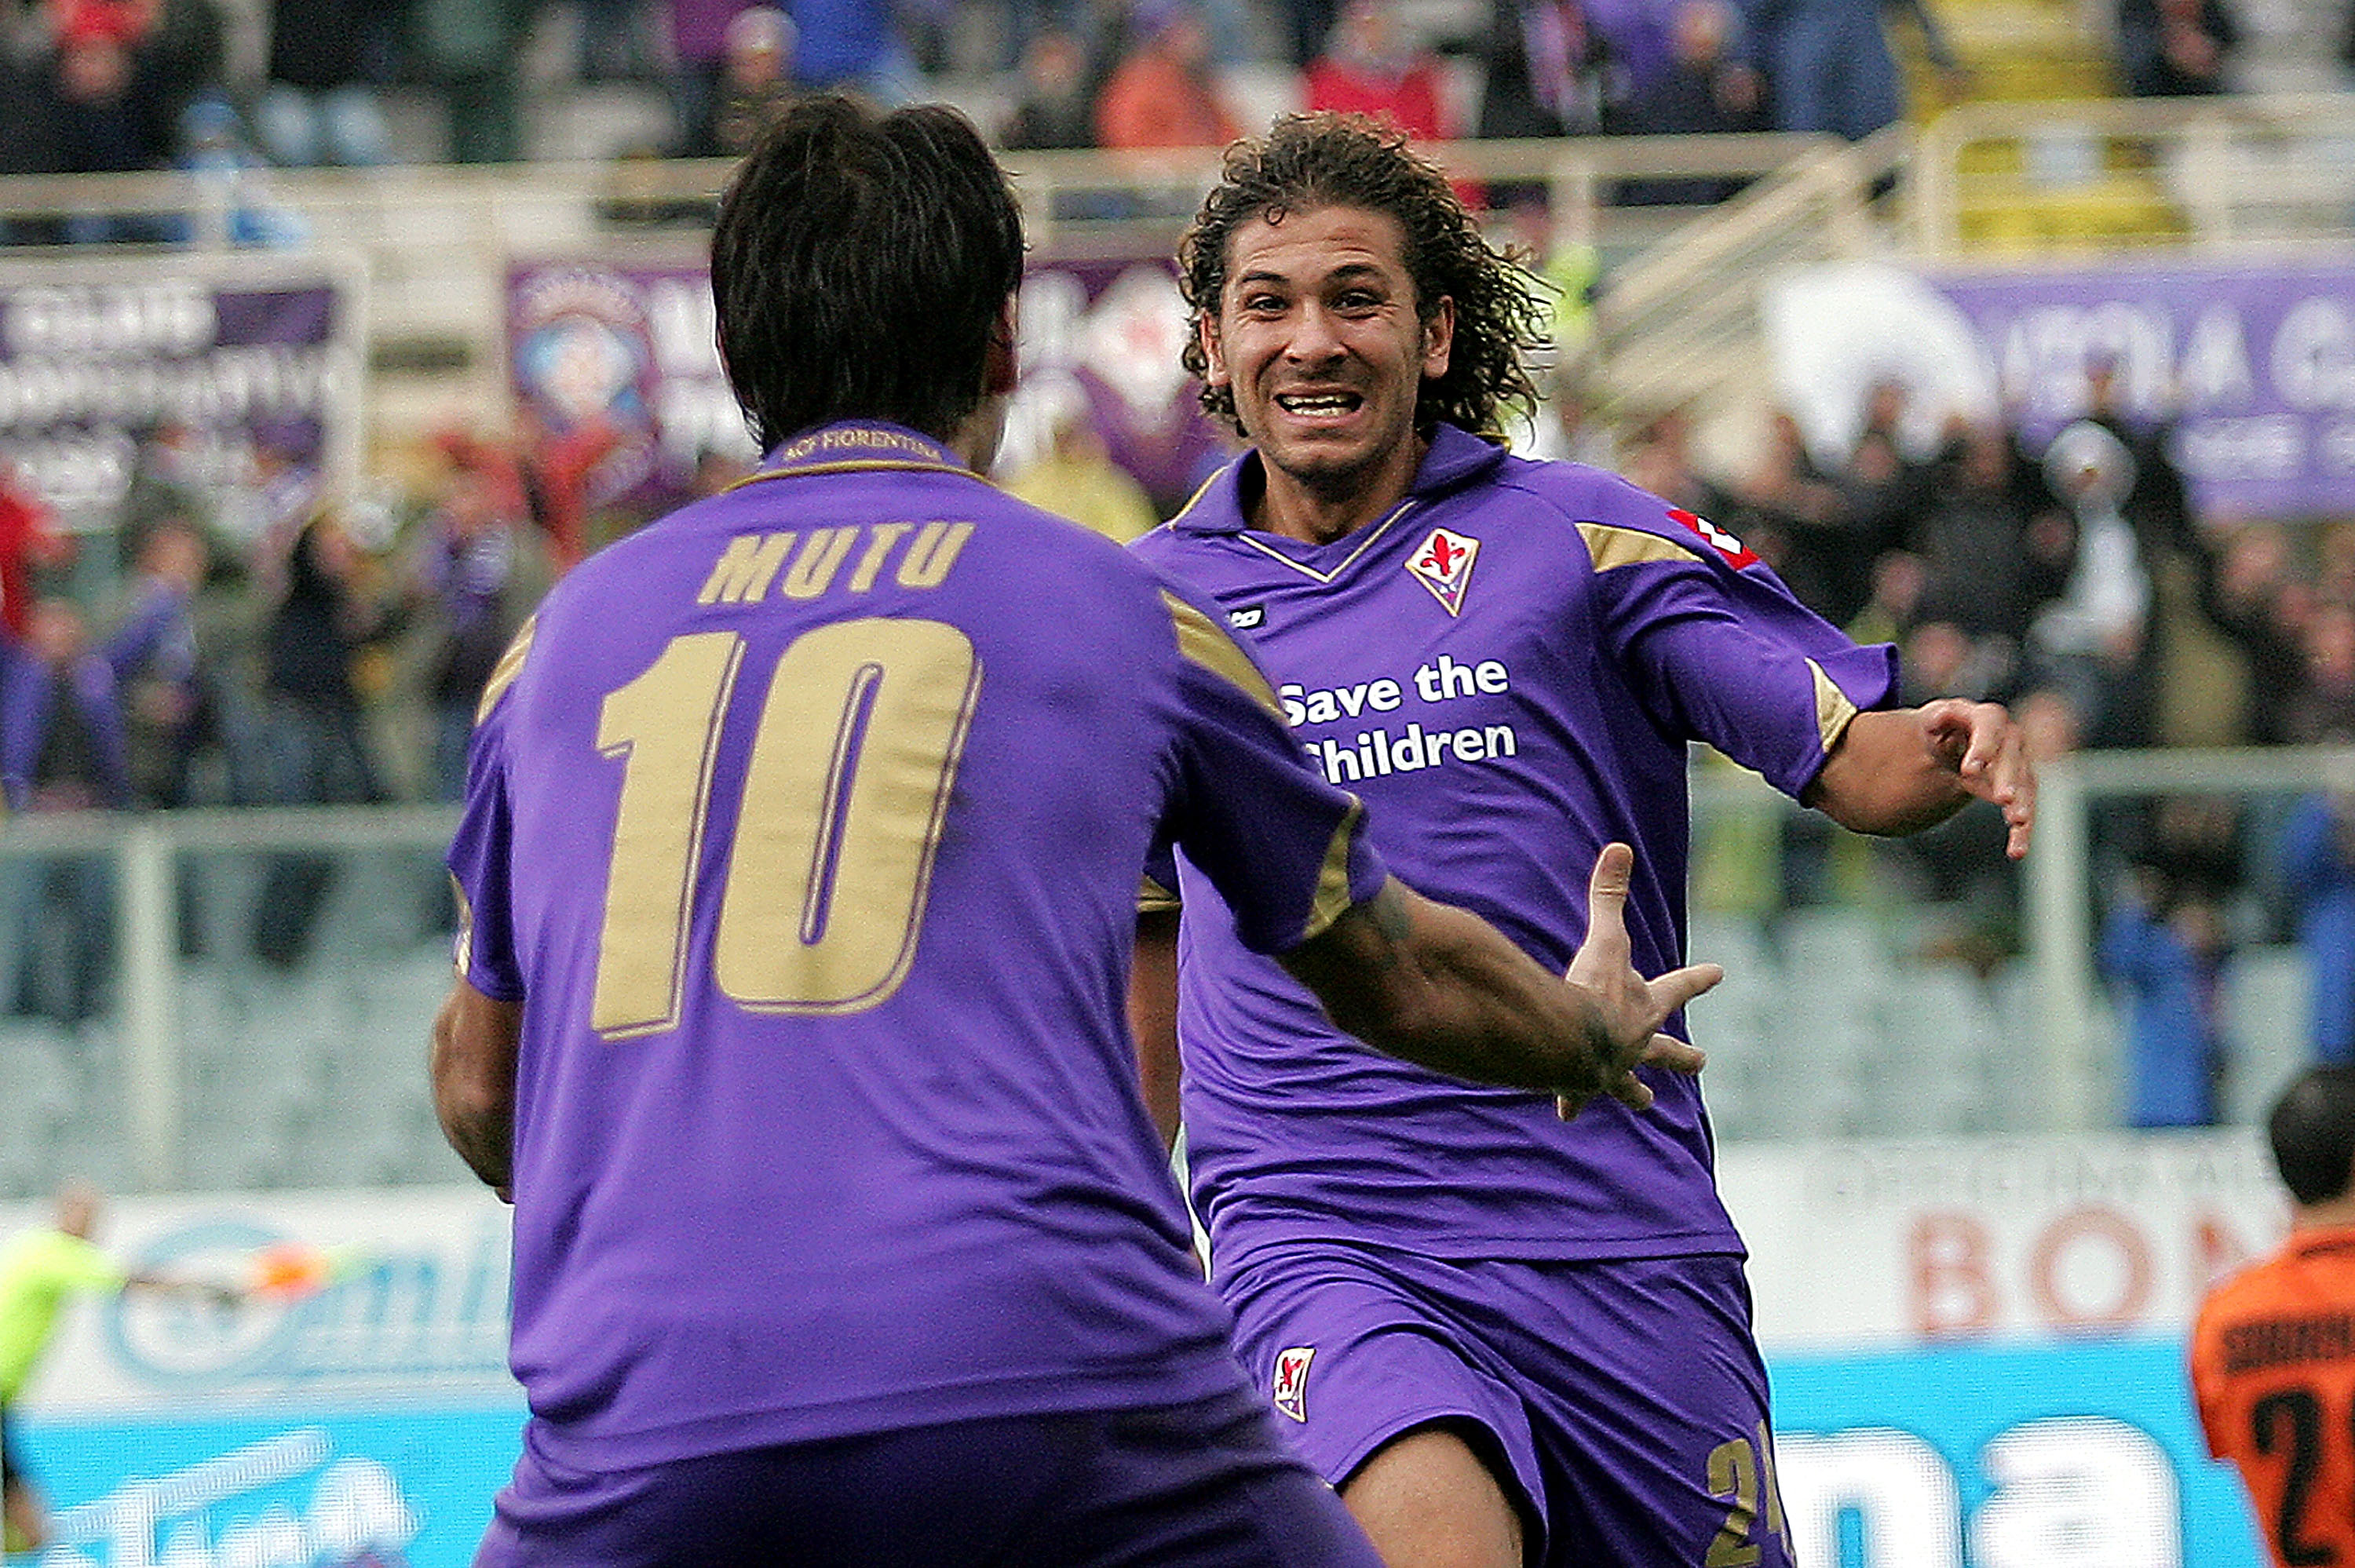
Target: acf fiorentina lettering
919, 554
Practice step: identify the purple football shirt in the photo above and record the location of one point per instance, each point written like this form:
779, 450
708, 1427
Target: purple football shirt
807, 823
1507, 668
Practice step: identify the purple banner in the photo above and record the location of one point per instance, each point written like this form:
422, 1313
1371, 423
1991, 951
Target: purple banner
2254, 362
88, 362
630, 347
1104, 336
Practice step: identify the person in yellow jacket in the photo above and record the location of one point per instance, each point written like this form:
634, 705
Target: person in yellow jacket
39, 1269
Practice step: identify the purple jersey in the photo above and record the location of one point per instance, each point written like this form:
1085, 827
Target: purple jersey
807, 824
1507, 667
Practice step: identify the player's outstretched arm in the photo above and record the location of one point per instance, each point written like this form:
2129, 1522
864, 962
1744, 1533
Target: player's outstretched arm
1904, 770
475, 1039
1440, 987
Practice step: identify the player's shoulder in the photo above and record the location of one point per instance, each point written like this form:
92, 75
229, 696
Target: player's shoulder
1214, 512
2256, 1289
1619, 522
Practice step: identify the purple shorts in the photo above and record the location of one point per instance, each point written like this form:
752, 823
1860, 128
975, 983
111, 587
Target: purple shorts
1623, 1402
1204, 1484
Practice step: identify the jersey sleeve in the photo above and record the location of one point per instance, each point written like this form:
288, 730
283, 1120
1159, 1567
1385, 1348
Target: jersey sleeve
1718, 648
1286, 850
479, 861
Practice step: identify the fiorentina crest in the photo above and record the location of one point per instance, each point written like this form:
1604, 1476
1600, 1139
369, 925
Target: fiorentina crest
1444, 564
1291, 1391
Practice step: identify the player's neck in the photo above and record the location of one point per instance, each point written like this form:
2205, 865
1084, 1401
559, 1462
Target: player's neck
976, 438
2331, 1215
1318, 513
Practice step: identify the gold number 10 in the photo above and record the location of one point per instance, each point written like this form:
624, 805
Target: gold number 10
844, 793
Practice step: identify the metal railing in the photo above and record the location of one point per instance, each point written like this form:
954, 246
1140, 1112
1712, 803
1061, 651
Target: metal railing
2070, 1050
2269, 170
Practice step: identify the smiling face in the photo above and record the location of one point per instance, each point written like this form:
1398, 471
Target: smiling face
1318, 337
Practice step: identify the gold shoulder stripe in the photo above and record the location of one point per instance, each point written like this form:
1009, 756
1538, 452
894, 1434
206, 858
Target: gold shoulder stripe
1834, 711
1201, 640
463, 954
1333, 880
510, 665
1613, 547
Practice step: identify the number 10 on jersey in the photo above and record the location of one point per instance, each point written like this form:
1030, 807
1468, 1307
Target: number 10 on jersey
846, 789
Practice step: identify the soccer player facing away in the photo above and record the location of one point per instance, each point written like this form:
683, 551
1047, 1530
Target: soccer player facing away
1497, 1331
2272, 1347
800, 855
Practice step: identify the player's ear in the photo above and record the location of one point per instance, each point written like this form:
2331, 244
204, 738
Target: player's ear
998, 361
1439, 338
1206, 331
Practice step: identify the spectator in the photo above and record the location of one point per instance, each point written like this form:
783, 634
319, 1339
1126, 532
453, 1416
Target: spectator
1704, 88
470, 48
612, 39
1972, 534
1789, 511
1162, 93
698, 44
2323, 706
1307, 29
29, 543
2156, 503
1659, 459
1058, 106
2092, 640
854, 44
2176, 48
1077, 479
1369, 67
104, 117
754, 84
170, 706
2246, 591
2318, 871
214, 149
257, 517
479, 569
61, 749
319, 105
556, 470
315, 749
1549, 72
2162, 951
1828, 66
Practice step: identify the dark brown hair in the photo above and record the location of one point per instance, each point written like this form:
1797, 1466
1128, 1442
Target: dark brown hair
1311, 161
858, 268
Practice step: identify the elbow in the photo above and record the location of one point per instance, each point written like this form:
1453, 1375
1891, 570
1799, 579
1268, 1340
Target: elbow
473, 1083
1883, 807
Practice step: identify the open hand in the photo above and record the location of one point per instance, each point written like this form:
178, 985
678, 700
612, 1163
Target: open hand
1633, 1007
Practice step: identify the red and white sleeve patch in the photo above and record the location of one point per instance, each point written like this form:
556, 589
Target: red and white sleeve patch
1732, 551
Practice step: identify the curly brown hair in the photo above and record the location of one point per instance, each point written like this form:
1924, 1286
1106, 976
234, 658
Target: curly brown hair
1311, 161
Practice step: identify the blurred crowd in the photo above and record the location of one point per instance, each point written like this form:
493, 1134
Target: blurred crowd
89, 86
259, 642
2071, 575
262, 643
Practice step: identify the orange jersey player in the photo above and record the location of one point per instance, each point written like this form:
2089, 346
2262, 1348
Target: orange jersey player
2272, 1351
